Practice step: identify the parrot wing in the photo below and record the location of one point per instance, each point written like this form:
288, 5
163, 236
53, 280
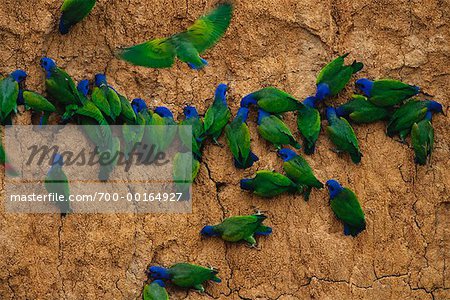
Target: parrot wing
37, 102
347, 208
9, 91
157, 53
308, 123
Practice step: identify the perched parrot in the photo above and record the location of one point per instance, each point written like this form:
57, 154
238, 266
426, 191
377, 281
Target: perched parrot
37, 102
9, 94
308, 123
187, 45
59, 85
218, 114
269, 184
299, 171
346, 207
133, 134
127, 113
165, 131
238, 140
342, 135
109, 159
272, 100
422, 139
73, 11
359, 110
272, 129
185, 275
334, 76
386, 92
184, 174
155, 291
106, 98
196, 131
56, 182
409, 113
239, 228
140, 108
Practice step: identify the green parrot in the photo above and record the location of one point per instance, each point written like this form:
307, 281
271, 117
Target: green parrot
185, 275
37, 102
73, 11
308, 123
59, 85
155, 291
56, 182
334, 77
132, 135
422, 139
238, 140
269, 184
108, 159
196, 131
106, 98
272, 100
217, 115
299, 171
187, 45
386, 92
359, 110
183, 174
272, 129
163, 131
239, 228
346, 207
10, 93
342, 135
409, 113
127, 113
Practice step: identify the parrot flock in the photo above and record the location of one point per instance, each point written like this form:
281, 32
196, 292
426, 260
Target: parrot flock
68, 102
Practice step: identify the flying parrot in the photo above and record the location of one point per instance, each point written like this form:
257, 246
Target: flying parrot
106, 98
346, 207
238, 140
359, 110
422, 139
386, 92
73, 11
155, 291
409, 113
308, 123
10, 90
196, 131
272, 129
272, 100
56, 182
334, 77
218, 114
184, 174
299, 171
269, 184
186, 45
342, 135
185, 275
239, 228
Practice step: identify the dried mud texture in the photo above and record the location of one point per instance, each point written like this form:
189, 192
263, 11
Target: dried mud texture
404, 252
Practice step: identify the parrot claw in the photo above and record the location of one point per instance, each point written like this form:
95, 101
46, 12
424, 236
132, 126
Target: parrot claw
253, 246
258, 211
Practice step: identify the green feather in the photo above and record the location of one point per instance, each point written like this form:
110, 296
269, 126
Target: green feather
238, 140
344, 138
184, 174
308, 123
195, 131
73, 11
240, 228
37, 102
270, 184
9, 91
56, 182
216, 118
107, 100
275, 101
346, 207
388, 92
110, 158
132, 135
404, 118
299, 171
191, 276
422, 139
89, 109
273, 130
362, 111
61, 88
154, 291
127, 113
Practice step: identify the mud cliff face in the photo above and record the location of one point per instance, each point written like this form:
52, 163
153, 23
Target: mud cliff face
403, 253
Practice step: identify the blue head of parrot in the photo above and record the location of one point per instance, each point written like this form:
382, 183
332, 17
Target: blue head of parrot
190, 112
248, 100
434, 106
334, 188
100, 79
246, 184
310, 101
83, 87
19, 75
287, 154
341, 112
138, 105
242, 114
160, 283
429, 116
163, 112
208, 231
331, 113
48, 64
323, 91
158, 273
261, 115
365, 85
221, 93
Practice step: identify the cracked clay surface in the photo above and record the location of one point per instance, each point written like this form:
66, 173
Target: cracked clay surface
404, 252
